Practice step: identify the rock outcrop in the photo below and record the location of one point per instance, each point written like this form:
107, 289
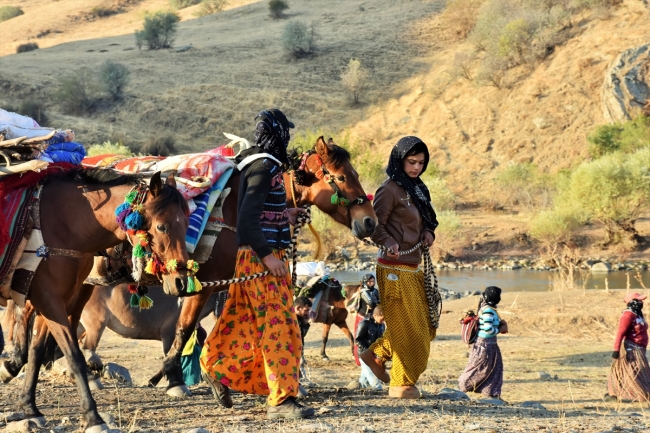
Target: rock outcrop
626, 88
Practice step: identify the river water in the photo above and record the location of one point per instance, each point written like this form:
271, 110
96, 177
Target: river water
513, 280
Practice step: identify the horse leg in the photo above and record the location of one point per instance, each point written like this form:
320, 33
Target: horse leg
36, 354
344, 327
54, 312
326, 332
20, 334
186, 324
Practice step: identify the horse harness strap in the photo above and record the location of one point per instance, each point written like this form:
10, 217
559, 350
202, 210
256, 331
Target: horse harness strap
44, 251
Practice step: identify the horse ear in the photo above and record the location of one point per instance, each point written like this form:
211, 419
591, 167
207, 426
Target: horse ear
171, 181
321, 148
330, 141
155, 184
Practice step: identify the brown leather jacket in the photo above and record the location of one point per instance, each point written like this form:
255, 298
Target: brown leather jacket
399, 221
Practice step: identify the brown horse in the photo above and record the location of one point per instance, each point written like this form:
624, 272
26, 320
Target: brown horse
80, 220
317, 176
322, 172
337, 315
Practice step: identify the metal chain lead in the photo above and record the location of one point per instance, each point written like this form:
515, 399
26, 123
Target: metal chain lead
434, 300
301, 220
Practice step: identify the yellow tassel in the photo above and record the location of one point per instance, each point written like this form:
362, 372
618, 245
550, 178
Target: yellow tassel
145, 302
149, 269
197, 284
171, 265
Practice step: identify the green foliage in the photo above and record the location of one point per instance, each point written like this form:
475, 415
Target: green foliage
77, 92
332, 234
24, 48
181, 4
612, 190
277, 8
113, 78
523, 184
33, 109
449, 232
626, 137
108, 148
354, 79
159, 146
209, 7
298, 39
9, 12
514, 39
159, 30
552, 227
442, 197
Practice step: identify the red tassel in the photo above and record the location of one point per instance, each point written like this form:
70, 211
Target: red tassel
133, 288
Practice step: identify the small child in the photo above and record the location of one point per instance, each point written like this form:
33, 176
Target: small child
370, 329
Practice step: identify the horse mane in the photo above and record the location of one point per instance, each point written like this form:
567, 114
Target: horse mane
106, 176
166, 197
337, 155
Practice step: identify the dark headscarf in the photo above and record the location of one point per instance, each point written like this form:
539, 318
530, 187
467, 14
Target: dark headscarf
272, 133
636, 306
364, 280
415, 188
492, 296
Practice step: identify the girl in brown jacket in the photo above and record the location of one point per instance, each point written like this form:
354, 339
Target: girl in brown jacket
405, 217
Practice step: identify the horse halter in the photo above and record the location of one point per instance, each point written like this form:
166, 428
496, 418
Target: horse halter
338, 197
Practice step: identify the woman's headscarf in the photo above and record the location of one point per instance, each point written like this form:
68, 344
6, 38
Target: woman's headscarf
636, 306
272, 133
415, 188
492, 296
366, 278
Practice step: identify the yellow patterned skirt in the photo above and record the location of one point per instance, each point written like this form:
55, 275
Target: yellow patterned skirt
255, 346
409, 332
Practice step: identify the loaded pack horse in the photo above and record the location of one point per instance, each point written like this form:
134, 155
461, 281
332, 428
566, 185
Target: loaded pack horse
322, 177
76, 216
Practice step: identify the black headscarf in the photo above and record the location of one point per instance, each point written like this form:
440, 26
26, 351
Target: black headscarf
364, 280
415, 188
636, 306
492, 296
272, 133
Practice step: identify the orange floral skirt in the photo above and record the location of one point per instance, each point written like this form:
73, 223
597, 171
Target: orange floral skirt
255, 346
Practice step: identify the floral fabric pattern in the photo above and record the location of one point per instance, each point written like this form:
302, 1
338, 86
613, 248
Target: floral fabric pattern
255, 346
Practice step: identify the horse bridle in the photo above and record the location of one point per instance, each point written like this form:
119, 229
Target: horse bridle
337, 198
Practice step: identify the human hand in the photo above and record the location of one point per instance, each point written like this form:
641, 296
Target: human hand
276, 266
395, 249
503, 327
293, 213
615, 354
427, 239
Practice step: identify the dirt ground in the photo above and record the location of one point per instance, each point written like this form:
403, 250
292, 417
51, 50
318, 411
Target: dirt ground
565, 334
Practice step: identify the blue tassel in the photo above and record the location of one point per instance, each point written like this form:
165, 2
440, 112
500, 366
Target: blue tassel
134, 221
121, 208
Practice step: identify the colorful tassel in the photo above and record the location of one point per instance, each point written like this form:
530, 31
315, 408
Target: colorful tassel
192, 266
171, 265
134, 301
131, 196
135, 220
138, 251
197, 284
121, 208
150, 268
133, 288
145, 302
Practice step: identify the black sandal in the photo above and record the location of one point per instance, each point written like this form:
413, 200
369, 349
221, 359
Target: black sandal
221, 392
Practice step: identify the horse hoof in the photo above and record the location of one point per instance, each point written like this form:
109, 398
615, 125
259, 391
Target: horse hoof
27, 424
5, 376
180, 391
101, 428
325, 358
95, 385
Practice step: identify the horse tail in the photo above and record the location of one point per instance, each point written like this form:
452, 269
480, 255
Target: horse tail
319, 241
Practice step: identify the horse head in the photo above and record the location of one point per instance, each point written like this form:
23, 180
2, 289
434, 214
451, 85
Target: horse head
166, 213
326, 179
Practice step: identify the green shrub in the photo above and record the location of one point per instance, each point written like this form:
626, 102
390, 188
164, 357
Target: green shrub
108, 148
77, 92
613, 190
33, 109
354, 79
159, 146
159, 30
523, 184
442, 197
277, 8
298, 39
181, 4
552, 227
24, 48
9, 12
209, 7
626, 137
449, 232
113, 78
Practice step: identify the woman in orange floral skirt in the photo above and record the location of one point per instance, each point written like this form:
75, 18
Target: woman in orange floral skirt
255, 346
